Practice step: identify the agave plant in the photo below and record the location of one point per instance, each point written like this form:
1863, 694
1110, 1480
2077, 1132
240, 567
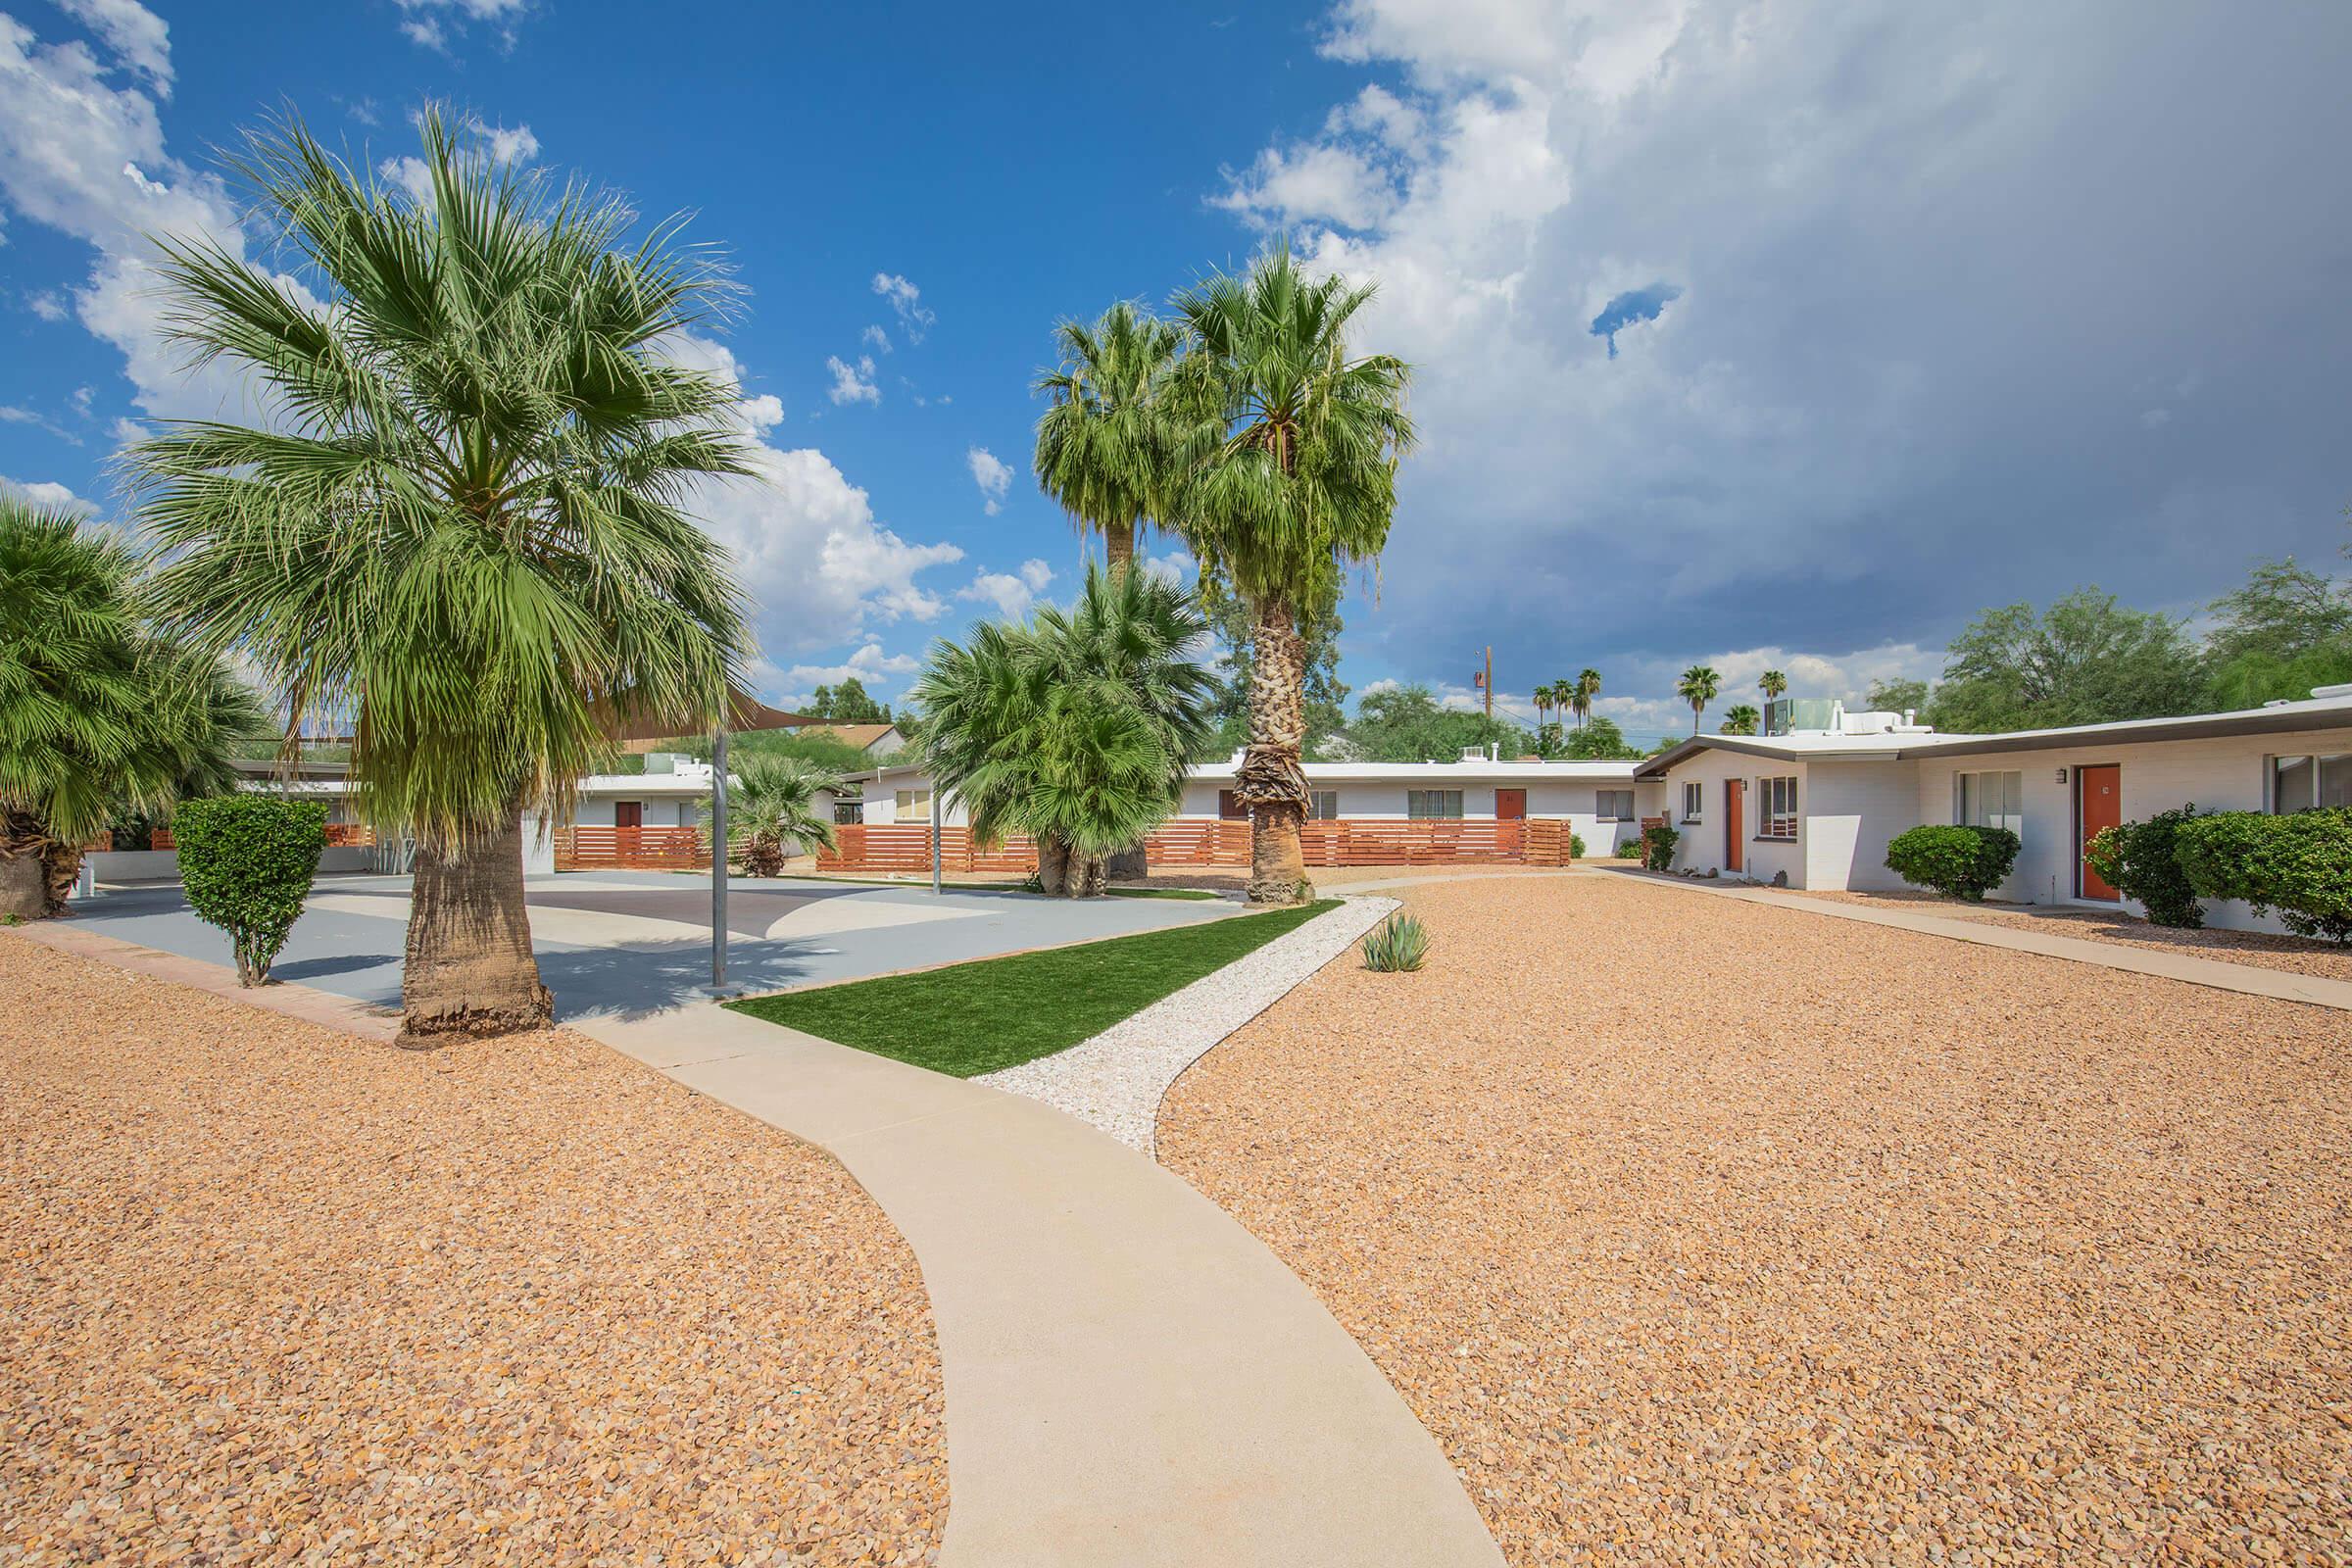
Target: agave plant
1396, 944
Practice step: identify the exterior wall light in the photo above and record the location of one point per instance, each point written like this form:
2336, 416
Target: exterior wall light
2062, 776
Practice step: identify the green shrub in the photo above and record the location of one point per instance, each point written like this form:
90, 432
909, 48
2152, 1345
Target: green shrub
2300, 864
1960, 863
1629, 849
247, 861
1576, 847
1657, 846
2137, 859
1398, 944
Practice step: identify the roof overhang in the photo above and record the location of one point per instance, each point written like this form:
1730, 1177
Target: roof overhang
2195, 727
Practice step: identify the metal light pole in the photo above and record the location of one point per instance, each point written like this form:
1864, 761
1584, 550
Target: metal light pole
935, 835
719, 857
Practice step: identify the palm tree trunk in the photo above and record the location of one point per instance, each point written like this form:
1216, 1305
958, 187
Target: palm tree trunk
1118, 556
1270, 781
469, 968
1052, 866
24, 883
61, 869
37, 872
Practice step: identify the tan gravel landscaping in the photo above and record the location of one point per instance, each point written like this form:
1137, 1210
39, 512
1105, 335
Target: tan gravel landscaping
2262, 949
1701, 1231
276, 1295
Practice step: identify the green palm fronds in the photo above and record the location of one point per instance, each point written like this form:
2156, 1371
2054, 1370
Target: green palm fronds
1108, 444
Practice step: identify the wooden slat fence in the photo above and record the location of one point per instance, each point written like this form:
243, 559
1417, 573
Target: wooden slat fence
631, 849
1198, 841
905, 848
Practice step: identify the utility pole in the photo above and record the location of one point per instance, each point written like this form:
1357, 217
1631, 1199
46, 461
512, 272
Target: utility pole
719, 855
1486, 680
935, 835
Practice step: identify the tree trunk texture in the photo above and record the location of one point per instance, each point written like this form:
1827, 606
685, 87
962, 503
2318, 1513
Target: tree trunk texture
469, 969
1088, 875
1270, 782
61, 867
1052, 866
24, 885
1119, 553
37, 872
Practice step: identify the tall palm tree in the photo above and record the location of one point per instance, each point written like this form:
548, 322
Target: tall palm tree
1294, 479
773, 805
1106, 445
1073, 728
1697, 687
1772, 684
468, 526
1580, 697
1542, 697
1740, 720
97, 714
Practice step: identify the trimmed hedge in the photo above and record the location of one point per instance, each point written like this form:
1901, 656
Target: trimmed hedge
1657, 846
2300, 864
1960, 863
247, 861
2137, 859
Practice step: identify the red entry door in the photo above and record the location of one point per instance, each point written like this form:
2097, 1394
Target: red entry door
1510, 806
1735, 833
2098, 803
628, 813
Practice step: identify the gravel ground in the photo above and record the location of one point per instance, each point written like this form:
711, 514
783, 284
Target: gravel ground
1116, 1080
1699, 1231
275, 1294
2262, 949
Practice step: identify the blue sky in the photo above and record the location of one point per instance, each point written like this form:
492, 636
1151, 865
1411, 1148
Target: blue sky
1957, 308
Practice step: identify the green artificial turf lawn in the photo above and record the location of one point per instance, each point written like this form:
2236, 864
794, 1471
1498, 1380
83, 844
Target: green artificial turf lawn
971, 1018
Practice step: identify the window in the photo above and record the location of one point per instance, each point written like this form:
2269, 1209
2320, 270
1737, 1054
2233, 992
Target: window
2303, 783
911, 806
1613, 805
1991, 800
848, 813
1423, 804
1776, 807
1692, 791
1323, 806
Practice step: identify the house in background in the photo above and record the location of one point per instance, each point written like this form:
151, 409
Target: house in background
1816, 804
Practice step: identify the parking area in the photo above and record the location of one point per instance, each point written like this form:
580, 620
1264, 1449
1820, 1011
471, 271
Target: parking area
633, 942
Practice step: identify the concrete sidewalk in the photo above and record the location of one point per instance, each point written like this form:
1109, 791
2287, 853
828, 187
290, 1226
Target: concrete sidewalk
1133, 1380
2220, 974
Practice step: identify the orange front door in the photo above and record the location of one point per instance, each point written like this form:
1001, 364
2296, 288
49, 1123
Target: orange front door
1510, 806
628, 813
2098, 803
1734, 832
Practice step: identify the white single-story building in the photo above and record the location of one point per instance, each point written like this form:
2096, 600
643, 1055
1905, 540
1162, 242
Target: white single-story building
1602, 803
1816, 808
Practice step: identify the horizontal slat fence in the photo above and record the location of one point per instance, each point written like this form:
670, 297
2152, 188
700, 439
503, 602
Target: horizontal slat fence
906, 847
1214, 842
631, 849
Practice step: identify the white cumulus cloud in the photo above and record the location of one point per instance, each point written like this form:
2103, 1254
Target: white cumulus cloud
1012, 593
914, 319
853, 383
992, 475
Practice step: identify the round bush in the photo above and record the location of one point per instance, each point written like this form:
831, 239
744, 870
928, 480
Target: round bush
1657, 846
2300, 864
1959, 862
247, 861
2137, 859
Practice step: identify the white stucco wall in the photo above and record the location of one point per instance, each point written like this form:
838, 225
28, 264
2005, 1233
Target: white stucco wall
598, 811
1703, 842
1854, 809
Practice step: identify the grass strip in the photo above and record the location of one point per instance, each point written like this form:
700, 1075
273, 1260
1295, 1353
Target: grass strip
971, 1018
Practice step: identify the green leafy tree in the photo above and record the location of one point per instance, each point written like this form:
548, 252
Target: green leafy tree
847, 704
2086, 661
469, 528
246, 861
1409, 724
2285, 631
1599, 740
1741, 718
1294, 448
1108, 445
1071, 728
98, 716
775, 810
1697, 687
1895, 695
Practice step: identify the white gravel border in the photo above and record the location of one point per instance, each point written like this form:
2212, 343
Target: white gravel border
1116, 1080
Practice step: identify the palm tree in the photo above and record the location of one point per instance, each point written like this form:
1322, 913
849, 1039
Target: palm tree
1697, 687
1107, 446
1581, 695
467, 527
97, 714
1073, 728
1294, 479
1542, 696
1772, 684
1740, 720
773, 805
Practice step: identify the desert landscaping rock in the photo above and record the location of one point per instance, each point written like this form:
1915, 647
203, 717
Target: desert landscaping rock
1701, 1231
278, 1295
1116, 1080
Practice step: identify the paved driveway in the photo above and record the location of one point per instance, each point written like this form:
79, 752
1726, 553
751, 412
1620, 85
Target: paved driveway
633, 942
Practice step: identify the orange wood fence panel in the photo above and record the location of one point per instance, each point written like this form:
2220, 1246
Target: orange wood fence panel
349, 835
631, 849
1198, 841
1371, 841
905, 848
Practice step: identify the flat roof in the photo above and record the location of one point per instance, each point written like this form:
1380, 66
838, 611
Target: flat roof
1563, 772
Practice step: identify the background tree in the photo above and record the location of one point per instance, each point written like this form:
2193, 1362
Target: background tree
1106, 445
1293, 477
1543, 700
1409, 724
1896, 695
1772, 684
1071, 728
2086, 661
2285, 631
97, 714
776, 811
1588, 687
468, 526
1741, 718
1697, 687
847, 704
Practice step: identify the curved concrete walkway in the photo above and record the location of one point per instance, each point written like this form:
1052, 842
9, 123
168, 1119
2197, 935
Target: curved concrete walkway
1133, 1380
